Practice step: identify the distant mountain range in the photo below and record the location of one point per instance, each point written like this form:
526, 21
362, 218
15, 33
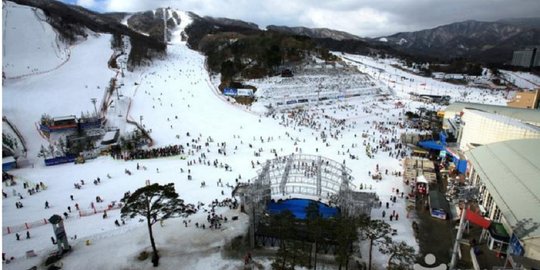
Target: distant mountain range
314, 32
481, 41
488, 42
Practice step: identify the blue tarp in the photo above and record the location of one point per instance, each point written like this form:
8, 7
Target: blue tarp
461, 164
442, 137
298, 208
431, 145
9, 166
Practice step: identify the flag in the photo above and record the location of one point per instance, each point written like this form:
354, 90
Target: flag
477, 219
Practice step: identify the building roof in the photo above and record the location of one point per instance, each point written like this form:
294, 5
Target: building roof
62, 118
505, 119
526, 115
511, 172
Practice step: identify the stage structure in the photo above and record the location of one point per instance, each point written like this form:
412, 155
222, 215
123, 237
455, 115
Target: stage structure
302, 176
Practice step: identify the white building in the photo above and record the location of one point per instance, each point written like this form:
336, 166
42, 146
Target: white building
480, 128
524, 115
508, 176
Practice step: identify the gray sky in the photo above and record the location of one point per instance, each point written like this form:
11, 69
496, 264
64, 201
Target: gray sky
365, 18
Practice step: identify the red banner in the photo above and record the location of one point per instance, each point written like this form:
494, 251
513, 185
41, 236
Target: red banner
477, 219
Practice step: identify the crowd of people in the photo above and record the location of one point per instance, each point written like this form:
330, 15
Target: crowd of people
167, 151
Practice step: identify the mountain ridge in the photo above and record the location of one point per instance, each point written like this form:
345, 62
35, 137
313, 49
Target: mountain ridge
477, 40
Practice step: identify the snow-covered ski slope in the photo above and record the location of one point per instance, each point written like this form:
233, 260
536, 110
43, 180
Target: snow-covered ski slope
30, 44
524, 80
175, 97
402, 82
65, 90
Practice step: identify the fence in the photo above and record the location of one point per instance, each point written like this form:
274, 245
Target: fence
24, 227
94, 210
44, 221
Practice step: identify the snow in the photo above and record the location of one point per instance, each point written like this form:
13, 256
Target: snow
174, 96
383, 39
21, 24
66, 90
402, 82
520, 79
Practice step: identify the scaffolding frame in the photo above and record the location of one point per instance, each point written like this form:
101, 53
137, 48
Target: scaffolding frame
302, 174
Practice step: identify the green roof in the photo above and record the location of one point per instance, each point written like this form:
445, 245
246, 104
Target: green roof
526, 115
511, 172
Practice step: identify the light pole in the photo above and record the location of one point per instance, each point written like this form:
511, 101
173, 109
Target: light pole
94, 100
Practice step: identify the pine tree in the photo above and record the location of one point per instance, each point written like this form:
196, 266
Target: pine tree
375, 231
42, 152
62, 146
402, 256
346, 232
283, 223
315, 225
155, 203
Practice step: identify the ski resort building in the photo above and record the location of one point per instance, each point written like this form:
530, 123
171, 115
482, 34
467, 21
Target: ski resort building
479, 124
524, 115
507, 174
527, 57
479, 128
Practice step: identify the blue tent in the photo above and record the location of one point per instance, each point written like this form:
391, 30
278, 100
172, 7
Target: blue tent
430, 144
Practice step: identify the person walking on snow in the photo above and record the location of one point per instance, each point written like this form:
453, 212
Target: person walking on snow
46, 204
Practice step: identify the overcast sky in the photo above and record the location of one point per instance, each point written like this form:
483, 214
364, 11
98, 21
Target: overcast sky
365, 18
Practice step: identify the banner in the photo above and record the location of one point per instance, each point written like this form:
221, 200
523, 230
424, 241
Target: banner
477, 219
230, 92
245, 92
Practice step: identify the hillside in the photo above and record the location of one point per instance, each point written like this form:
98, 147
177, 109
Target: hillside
176, 99
491, 42
71, 22
313, 32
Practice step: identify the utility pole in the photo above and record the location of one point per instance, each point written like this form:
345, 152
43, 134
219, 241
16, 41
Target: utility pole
467, 196
94, 100
458, 238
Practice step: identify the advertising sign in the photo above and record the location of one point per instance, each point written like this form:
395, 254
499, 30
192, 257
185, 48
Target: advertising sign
230, 92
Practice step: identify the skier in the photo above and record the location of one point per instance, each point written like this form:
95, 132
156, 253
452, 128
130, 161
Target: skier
46, 204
